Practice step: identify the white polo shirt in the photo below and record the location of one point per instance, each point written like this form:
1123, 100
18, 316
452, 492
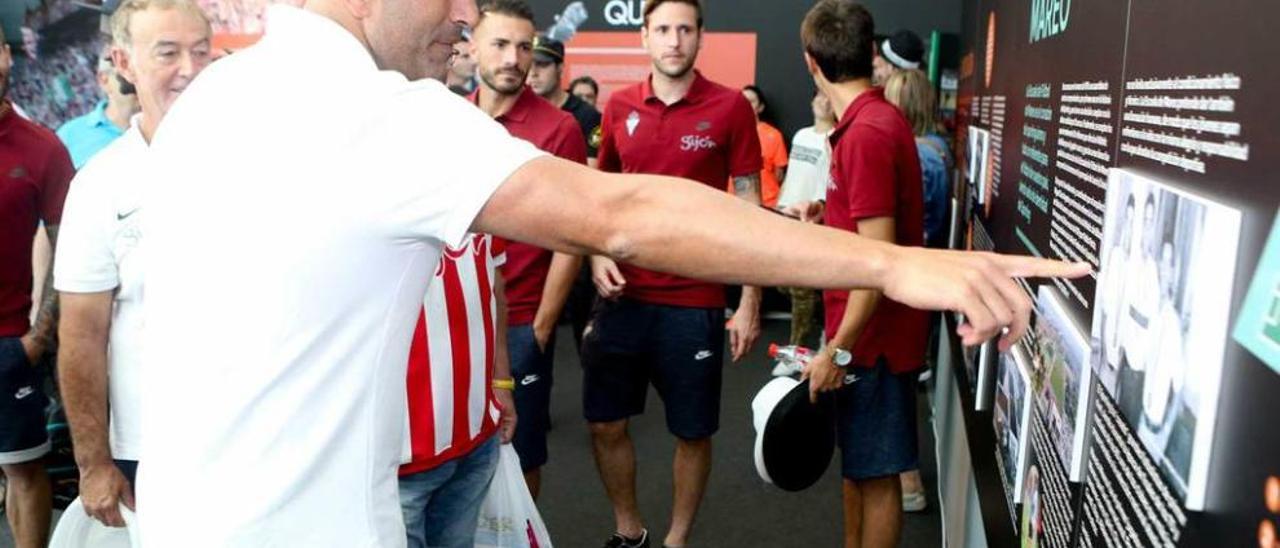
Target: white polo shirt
98, 251
299, 205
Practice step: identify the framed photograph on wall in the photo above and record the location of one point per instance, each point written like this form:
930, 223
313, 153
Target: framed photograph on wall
1062, 358
1160, 320
1013, 399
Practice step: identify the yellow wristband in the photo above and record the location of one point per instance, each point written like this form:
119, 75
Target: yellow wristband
504, 384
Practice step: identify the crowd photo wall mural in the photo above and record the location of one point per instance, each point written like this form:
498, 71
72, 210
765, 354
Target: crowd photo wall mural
1135, 136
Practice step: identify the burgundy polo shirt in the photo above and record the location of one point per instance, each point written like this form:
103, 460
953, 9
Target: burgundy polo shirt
35, 172
556, 132
875, 172
708, 136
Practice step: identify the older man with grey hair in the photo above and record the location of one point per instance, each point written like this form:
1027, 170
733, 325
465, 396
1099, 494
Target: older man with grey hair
159, 47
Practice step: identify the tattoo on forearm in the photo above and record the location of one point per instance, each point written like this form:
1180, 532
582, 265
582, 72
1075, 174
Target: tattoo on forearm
747, 187
45, 329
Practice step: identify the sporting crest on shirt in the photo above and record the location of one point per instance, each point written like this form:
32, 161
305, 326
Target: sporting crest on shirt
596, 136
704, 125
632, 121
17, 172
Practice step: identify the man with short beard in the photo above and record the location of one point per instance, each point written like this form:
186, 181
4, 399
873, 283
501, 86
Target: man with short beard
35, 171
658, 328
159, 46
537, 281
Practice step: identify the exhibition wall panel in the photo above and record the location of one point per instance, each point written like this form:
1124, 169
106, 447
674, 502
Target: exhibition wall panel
1137, 136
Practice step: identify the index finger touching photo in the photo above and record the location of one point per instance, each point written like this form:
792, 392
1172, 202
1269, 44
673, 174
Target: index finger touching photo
1032, 267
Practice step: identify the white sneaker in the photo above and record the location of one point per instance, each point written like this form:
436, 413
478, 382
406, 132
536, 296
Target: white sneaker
914, 502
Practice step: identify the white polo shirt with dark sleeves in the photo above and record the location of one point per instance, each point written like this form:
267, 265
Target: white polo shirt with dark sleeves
299, 203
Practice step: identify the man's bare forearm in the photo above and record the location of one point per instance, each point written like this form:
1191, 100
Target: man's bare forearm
44, 330
672, 225
555, 291
747, 189
862, 303
501, 359
82, 372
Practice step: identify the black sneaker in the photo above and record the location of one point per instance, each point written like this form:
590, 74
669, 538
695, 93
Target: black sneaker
619, 541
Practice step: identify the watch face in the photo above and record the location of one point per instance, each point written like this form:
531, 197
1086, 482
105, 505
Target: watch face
842, 357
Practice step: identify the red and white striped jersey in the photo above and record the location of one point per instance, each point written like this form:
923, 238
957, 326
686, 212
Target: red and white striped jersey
451, 405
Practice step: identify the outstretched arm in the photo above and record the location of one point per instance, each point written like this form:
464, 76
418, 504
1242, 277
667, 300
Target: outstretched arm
677, 226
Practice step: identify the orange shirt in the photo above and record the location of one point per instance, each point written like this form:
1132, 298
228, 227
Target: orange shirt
774, 150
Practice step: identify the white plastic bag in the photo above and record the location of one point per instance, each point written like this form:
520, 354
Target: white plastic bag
508, 516
77, 530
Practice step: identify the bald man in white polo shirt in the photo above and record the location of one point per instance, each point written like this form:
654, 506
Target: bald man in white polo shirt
286, 272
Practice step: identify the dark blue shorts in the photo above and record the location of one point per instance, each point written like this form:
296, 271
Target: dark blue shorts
130, 470
877, 424
629, 345
23, 437
531, 369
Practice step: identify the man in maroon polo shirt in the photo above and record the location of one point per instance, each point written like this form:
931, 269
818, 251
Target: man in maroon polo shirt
35, 172
873, 343
537, 281
658, 328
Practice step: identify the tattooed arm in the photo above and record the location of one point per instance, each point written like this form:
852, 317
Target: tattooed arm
43, 334
744, 328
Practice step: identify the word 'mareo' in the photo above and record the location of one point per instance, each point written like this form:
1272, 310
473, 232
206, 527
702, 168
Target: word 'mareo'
1048, 18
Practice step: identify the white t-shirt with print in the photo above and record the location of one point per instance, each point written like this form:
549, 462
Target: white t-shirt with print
98, 251
808, 168
300, 202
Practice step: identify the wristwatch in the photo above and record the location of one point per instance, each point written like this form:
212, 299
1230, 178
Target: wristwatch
839, 356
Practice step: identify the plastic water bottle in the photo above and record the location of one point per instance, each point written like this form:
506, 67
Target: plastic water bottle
791, 359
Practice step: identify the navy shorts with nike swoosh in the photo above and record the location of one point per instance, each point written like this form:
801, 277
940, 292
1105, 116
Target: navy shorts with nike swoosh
531, 370
630, 344
23, 437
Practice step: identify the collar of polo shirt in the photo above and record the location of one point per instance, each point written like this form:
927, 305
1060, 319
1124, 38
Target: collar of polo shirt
697, 89
850, 113
519, 111
100, 115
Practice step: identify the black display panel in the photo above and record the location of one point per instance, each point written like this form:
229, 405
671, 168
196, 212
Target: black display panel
1175, 95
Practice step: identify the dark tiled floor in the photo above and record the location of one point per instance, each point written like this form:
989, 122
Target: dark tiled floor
739, 508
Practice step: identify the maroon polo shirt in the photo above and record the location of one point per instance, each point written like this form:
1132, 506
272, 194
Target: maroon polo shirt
708, 136
875, 172
556, 132
35, 172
